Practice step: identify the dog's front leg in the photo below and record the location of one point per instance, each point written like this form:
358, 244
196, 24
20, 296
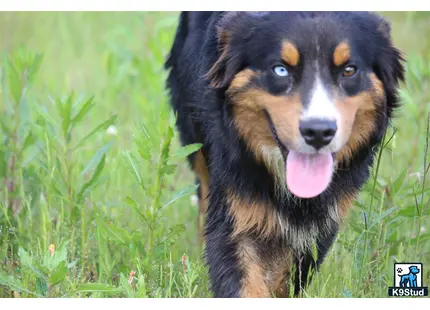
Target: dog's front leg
237, 268
245, 257
224, 267
235, 262
306, 265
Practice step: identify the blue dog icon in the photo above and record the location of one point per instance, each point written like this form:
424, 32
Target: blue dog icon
410, 278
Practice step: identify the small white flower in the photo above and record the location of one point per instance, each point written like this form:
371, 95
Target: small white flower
194, 200
112, 131
418, 175
423, 229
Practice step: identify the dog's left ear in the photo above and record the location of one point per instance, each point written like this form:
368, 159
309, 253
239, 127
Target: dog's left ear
229, 60
385, 28
224, 68
390, 64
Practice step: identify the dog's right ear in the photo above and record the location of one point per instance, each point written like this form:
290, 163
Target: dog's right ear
228, 62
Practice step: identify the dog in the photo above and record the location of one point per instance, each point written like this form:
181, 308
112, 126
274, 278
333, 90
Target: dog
410, 278
290, 108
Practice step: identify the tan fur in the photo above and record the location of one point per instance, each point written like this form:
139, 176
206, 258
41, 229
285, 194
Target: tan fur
253, 126
279, 270
345, 204
290, 54
264, 275
284, 110
264, 221
341, 54
359, 116
252, 216
253, 283
241, 79
280, 287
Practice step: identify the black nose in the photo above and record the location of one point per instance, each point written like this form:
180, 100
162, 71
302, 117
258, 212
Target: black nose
318, 133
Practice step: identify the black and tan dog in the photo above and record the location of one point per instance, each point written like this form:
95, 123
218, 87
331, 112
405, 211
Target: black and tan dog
290, 108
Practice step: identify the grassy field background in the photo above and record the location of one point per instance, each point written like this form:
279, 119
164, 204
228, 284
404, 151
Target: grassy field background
96, 196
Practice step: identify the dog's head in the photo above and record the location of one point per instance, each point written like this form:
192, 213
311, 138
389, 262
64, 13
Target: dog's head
414, 269
307, 90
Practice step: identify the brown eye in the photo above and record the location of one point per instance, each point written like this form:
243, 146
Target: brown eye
349, 71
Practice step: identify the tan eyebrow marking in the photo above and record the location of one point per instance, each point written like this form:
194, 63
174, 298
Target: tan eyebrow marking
341, 54
290, 54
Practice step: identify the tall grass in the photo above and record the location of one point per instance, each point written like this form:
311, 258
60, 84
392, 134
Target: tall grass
96, 196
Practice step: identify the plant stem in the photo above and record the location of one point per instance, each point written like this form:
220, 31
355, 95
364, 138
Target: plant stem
425, 170
368, 217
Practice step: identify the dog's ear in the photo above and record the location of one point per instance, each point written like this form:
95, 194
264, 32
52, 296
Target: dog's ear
229, 60
390, 64
385, 28
221, 72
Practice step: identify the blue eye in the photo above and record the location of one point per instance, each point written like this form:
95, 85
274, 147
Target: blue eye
280, 70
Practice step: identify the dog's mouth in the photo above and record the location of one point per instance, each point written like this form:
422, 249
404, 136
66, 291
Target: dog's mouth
307, 175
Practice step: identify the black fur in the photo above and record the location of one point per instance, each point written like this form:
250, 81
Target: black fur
205, 117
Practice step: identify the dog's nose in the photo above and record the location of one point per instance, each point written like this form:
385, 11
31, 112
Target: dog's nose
317, 132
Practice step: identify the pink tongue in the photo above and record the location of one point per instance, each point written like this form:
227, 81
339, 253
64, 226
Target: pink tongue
308, 175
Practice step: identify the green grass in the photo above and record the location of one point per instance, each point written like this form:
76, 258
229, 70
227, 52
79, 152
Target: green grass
112, 202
